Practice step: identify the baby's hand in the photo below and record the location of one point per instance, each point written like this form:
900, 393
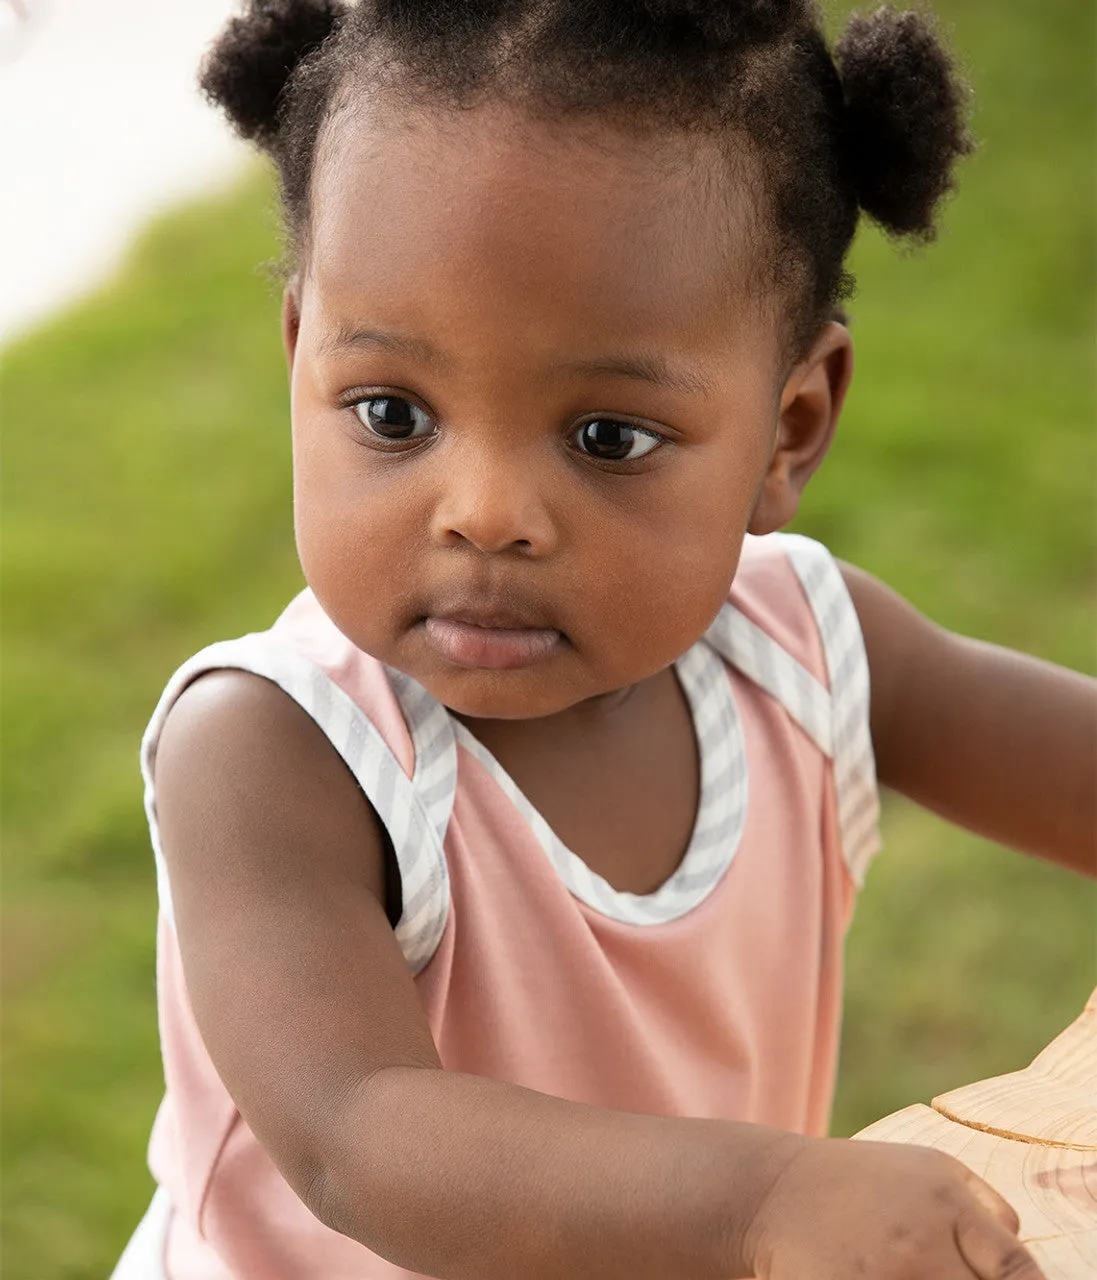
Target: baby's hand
884, 1211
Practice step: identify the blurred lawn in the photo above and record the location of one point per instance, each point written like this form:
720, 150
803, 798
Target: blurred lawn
147, 511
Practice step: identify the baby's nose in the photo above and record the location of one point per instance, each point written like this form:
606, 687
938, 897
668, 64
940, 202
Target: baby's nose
496, 504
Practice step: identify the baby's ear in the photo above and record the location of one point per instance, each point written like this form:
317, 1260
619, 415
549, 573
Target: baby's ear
810, 404
291, 319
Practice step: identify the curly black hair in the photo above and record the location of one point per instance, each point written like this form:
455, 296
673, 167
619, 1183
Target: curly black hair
877, 125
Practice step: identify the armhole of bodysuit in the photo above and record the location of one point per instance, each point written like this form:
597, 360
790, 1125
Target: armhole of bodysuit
394, 885
417, 881
858, 801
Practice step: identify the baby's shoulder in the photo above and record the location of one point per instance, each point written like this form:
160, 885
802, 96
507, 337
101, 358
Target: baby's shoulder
298, 723
302, 664
243, 778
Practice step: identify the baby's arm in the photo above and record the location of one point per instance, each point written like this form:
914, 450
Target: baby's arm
1001, 743
308, 1011
310, 1014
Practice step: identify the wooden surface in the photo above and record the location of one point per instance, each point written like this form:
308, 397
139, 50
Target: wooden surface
1032, 1135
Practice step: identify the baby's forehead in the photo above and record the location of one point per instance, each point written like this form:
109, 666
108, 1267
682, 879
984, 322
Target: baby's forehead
506, 148
499, 197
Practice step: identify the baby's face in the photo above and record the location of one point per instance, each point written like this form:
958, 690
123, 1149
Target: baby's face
533, 402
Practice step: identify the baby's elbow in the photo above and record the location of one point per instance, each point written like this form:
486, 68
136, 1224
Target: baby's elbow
314, 1187
347, 1179
314, 1166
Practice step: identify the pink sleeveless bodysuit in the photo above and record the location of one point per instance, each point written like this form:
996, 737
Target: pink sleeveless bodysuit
717, 995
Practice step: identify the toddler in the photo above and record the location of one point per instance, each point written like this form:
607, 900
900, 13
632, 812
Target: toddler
504, 879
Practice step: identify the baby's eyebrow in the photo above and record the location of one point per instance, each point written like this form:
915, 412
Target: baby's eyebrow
647, 367
347, 336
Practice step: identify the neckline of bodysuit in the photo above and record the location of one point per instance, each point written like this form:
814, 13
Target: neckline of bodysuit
721, 808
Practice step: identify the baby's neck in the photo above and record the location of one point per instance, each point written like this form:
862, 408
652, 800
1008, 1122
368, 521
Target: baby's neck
590, 714
617, 778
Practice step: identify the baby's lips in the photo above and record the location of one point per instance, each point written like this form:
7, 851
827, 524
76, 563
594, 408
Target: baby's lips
489, 647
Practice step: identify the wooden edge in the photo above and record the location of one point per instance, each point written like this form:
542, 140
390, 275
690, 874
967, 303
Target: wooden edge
1052, 1101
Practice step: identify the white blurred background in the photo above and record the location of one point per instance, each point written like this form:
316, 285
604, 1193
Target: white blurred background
100, 126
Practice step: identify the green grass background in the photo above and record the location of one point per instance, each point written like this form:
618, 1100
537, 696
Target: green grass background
146, 508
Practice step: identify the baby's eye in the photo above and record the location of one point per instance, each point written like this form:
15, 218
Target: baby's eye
393, 418
615, 441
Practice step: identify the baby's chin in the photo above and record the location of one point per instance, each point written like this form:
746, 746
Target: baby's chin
501, 695
524, 693
565, 677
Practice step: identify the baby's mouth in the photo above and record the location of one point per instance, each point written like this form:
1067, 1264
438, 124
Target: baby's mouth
491, 640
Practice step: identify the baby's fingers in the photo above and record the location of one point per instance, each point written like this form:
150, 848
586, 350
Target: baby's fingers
992, 1201
992, 1250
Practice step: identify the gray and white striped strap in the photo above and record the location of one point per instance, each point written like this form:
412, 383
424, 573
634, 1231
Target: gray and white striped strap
848, 675
761, 659
835, 718
435, 744
412, 826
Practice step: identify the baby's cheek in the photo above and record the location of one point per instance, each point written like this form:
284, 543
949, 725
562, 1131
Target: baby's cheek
658, 604
356, 572
700, 548
692, 593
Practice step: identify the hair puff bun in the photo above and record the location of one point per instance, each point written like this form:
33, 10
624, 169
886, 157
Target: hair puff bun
905, 118
248, 67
